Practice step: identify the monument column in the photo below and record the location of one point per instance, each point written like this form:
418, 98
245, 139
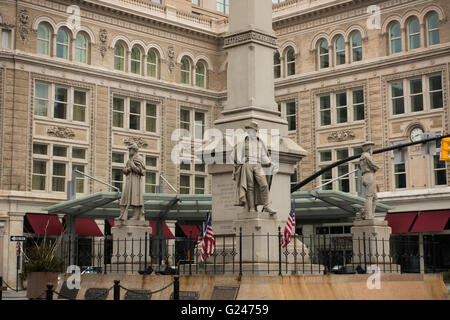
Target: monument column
251, 45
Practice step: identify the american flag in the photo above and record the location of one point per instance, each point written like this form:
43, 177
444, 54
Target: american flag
289, 229
207, 241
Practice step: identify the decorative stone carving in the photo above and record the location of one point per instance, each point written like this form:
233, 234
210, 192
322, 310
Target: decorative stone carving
23, 24
103, 36
343, 135
171, 55
250, 36
61, 132
138, 140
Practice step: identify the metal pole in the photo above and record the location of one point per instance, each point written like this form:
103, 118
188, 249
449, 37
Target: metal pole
116, 290
49, 292
279, 250
145, 254
240, 251
176, 287
1, 288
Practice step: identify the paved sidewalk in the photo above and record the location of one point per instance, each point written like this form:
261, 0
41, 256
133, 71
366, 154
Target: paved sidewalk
13, 295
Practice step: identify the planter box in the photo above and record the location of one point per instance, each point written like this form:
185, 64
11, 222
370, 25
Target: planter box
37, 283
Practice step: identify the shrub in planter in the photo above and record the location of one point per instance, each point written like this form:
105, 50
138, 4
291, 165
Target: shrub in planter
42, 265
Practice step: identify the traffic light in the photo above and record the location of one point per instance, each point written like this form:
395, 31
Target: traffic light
445, 149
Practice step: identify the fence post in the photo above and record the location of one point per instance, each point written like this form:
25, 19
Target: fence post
240, 251
176, 287
279, 250
49, 292
364, 246
145, 248
116, 290
1, 287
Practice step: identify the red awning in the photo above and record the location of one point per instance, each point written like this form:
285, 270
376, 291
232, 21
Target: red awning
86, 227
189, 231
166, 231
400, 222
45, 224
431, 221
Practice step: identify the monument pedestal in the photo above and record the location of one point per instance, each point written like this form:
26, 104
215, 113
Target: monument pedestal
129, 239
371, 242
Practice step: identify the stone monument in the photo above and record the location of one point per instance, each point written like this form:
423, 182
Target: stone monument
130, 231
250, 106
370, 235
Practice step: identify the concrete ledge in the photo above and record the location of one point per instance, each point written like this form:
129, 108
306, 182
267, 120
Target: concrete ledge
302, 287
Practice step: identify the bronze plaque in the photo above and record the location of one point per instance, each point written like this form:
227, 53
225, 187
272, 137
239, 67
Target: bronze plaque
224, 293
96, 294
138, 295
187, 295
68, 293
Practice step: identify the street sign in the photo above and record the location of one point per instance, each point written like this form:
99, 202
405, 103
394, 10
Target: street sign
18, 238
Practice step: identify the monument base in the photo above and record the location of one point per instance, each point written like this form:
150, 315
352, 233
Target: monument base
371, 242
129, 239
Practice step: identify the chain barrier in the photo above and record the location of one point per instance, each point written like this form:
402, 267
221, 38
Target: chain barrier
151, 292
40, 296
63, 296
9, 286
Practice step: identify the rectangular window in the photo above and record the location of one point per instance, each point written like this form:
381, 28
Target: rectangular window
398, 101
199, 125
325, 156
200, 167
150, 121
117, 178
118, 157
199, 185
357, 151
440, 171
185, 122
60, 109
358, 104
79, 185
435, 85
40, 148
39, 175
294, 178
196, 2
150, 182
135, 115
185, 166
291, 115
60, 151
185, 184
326, 177
416, 95
118, 112
78, 153
341, 107
151, 162
400, 175
59, 177
41, 100
344, 183
325, 111
79, 106
6, 39
223, 6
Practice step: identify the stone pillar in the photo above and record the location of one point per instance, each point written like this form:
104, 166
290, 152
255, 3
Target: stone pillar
15, 229
171, 249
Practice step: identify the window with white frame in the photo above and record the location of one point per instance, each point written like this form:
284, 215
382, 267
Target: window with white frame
395, 38
196, 2
223, 6
340, 50
135, 66
193, 119
290, 62
324, 57
135, 114
53, 165
151, 174
343, 169
118, 163
413, 34
119, 57
277, 65
62, 44
416, 95
6, 40
81, 48
356, 46
288, 111
185, 71
69, 103
433, 28
152, 63
439, 171
325, 158
200, 75
43, 39
400, 176
340, 102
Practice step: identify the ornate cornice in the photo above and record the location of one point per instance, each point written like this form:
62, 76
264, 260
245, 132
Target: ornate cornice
250, 36
342, 135
61, 132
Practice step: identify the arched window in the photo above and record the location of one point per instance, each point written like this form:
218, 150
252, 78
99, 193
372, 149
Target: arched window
340, 50
200, 75
324, 58
356, 46
433, 29
395, 38
290, 62
136, 60
81, 48
414, 34
43, 39
185, 71
276, 65
152, 64
62, 44
119, 57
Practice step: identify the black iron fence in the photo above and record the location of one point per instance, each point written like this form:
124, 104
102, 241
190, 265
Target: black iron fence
251, 254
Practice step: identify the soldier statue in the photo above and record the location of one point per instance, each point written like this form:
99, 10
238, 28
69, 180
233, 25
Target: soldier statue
133, 191
250, 155
368, 169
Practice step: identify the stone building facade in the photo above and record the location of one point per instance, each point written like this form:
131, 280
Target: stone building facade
75, 89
